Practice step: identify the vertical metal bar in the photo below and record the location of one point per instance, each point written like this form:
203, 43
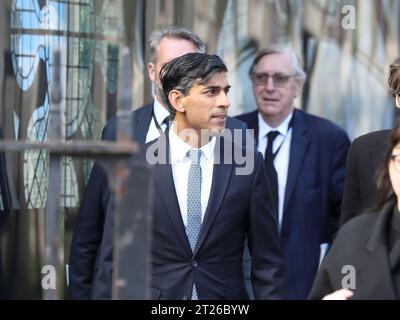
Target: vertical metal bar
52, 241
132, 218
124, 115
132, 232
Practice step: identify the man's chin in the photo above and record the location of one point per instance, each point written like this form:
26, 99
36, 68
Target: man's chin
212, 132
216, 130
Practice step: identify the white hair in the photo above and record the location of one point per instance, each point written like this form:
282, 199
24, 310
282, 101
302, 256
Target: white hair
296, 61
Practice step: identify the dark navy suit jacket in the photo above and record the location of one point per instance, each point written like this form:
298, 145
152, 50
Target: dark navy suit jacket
313, 195
88, 230
238, 205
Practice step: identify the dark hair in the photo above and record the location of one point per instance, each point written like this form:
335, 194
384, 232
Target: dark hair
394, 77
183, 72
385, 188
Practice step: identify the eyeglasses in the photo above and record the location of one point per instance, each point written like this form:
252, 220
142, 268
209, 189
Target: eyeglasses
396, 161
279, 79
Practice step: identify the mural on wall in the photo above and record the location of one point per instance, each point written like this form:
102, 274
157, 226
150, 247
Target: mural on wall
71, 28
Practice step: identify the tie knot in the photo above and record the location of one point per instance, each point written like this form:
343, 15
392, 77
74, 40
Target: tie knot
195, 155
272, 135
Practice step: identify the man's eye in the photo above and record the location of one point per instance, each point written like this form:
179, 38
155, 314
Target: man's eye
281, 78
262, 78
211, 91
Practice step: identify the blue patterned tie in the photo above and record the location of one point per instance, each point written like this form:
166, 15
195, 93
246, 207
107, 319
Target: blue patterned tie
194, 203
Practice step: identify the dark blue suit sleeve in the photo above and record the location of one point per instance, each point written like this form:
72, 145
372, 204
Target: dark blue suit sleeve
88, 229
338, 173
352, 202
267, 267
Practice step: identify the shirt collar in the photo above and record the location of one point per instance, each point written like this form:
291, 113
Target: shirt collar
159, 111
264, 128
179, 149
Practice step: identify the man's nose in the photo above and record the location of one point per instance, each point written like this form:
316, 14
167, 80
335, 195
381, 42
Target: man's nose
270, 84
224, 100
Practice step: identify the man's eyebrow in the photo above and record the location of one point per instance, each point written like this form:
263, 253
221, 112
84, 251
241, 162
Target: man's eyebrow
217, 87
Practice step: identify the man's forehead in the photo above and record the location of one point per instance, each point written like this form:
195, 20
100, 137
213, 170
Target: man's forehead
277, 61
219, 79
171, 48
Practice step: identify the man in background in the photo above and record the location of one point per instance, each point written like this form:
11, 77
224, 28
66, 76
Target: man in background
305, 160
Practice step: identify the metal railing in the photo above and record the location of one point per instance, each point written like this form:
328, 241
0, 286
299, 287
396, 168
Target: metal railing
129, 179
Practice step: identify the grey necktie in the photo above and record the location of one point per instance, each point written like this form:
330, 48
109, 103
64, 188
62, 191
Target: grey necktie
194, 203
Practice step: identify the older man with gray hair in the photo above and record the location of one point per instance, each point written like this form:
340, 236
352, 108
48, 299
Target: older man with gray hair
305, 159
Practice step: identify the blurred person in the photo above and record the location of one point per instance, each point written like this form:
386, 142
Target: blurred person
366, 154
305, 164
369, 244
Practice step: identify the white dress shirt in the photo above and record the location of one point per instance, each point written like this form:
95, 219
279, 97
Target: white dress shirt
281, 161
180, 163
160, 113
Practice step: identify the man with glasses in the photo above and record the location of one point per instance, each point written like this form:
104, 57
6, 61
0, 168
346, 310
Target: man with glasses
305, 160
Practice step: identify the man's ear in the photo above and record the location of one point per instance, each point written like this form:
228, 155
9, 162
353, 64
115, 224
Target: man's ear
151, 69
298, 87
175, 98
398, 100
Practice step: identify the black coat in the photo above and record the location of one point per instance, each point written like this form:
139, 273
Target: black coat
360, 243
366, 154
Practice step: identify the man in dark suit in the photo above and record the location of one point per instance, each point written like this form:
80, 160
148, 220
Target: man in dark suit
365, 156
202, 207
148, 121
305, 163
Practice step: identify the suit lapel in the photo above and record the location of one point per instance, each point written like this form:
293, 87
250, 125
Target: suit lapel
380, 150
377, 275
142, 123
164, 184
253, 124
298, 147
220, 181
377, 270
